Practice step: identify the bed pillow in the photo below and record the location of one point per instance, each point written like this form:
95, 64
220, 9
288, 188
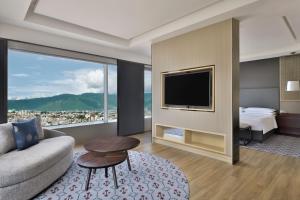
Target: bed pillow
259, 110
25, 134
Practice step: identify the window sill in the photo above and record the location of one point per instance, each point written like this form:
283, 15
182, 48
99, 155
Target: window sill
85, 124
79, 124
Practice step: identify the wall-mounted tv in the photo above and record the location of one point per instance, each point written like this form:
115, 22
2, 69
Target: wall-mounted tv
191, 89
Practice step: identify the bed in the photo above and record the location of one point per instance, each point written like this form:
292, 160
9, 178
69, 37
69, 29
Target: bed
261, 120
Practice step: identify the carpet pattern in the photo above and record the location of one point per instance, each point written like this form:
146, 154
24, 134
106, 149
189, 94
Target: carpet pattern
278, 144
151, 177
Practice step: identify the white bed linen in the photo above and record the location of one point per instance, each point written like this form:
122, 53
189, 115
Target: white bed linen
259, 121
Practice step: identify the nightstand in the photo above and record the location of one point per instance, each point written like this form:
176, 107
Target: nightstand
289, 124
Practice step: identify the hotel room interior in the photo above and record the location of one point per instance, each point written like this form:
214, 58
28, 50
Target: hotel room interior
149, 99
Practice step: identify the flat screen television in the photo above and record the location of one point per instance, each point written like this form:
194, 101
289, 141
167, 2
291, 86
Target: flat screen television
189, 89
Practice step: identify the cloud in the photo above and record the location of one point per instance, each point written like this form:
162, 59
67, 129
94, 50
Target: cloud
82, 81
20, 75
89, 80
34, 91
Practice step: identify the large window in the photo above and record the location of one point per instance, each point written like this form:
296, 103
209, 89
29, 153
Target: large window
62, 91
147, 92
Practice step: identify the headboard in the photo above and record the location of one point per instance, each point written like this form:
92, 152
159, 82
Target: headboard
260, 97
259, 84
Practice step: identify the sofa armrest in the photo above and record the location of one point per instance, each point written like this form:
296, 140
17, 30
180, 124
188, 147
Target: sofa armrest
52, 133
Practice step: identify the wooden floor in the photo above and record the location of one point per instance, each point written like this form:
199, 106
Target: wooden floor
259, 175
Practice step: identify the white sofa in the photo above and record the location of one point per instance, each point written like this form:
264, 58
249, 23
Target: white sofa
24, 174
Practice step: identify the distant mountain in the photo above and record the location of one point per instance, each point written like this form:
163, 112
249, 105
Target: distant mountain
69, 102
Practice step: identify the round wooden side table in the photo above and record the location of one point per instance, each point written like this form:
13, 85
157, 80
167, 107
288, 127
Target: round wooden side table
94, 161
106, 145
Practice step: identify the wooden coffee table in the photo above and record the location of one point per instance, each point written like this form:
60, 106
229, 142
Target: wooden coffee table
94, 161
105, 152
106, 145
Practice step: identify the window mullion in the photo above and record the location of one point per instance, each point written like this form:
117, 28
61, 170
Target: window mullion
105, 91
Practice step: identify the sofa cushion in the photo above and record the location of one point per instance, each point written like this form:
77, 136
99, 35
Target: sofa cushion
25, 134
19, 166
39, 127
7, 141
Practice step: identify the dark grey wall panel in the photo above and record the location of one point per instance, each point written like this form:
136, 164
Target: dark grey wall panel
3, 80
260, 97
260, 74
130, 98
259, 83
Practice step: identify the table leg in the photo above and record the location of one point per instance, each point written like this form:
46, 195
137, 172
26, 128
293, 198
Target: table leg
88, 180
106, 172
128, 162
115, 177
95, 171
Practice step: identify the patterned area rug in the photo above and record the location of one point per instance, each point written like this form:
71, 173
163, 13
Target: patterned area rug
278, 144
151, 177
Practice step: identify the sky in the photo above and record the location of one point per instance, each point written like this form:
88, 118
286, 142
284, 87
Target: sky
33, 75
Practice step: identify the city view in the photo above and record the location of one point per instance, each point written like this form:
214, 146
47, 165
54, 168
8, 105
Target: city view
63, 91
67, 109
59, 117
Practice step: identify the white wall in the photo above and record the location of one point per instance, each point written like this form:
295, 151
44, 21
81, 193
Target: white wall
82, 134
148, 124
42, 38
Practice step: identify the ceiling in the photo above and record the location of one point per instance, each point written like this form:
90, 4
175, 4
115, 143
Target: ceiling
265, 33
132, 25
124, 19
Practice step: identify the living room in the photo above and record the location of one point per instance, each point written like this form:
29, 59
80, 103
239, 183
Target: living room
142, 99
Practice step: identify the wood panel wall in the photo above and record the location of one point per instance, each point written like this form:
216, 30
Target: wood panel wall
217, 45
289, 71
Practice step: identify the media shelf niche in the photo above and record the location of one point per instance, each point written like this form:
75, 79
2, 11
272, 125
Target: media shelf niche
212, 142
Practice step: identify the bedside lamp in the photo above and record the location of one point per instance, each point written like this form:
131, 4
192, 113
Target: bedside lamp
293, 86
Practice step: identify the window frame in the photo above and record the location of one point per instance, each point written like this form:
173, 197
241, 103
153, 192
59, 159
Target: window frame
62, 53
148, 68
108, 119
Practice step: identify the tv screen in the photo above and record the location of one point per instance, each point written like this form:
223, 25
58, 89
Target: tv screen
188, 89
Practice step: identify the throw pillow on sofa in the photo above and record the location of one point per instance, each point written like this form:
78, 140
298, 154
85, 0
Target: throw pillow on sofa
25, 134
7, 141
39, 127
